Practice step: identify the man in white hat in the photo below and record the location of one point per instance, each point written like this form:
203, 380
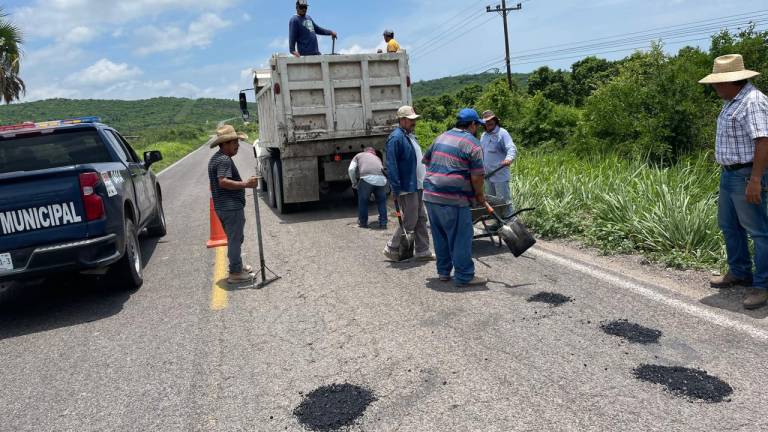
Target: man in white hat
405, 173
228, 192
742, 151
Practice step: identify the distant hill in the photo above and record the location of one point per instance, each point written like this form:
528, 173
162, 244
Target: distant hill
449, 85
126, 116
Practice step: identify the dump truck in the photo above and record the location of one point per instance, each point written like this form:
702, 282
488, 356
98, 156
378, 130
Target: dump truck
316, 113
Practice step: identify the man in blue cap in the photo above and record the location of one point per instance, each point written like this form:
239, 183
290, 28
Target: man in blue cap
303, 31
455, 178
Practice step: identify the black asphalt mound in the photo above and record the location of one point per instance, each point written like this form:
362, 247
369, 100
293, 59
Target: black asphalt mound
634, 333
553, 299
686, 382
332, 407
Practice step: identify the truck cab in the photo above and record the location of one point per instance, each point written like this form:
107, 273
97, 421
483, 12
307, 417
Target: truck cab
74, 196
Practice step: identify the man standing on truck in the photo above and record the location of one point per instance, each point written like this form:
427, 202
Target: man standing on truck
228, 192
303, 31
367, 174
406, 173
392, 45
454, 179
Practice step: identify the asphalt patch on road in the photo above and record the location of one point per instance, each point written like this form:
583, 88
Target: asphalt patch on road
686, 382
333, 407
549, 298
632, 332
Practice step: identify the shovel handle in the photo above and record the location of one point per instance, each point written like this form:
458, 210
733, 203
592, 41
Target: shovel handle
492, 212
489, 175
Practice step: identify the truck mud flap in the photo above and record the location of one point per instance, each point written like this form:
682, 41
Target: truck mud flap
301, 180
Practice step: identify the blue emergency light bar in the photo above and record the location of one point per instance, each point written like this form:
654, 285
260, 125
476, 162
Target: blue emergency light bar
50, 124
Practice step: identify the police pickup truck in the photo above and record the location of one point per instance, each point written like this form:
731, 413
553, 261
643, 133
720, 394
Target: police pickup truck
74, 197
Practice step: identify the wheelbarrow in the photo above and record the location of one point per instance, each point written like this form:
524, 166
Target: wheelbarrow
509, 230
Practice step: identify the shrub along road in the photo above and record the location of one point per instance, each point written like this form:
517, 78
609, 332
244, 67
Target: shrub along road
77, 356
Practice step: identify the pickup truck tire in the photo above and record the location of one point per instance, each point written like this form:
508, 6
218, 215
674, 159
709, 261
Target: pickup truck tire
157, 228
128, 272
277, 182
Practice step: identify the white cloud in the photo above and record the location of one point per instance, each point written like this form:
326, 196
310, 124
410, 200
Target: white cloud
79, 35
198, 34
279, 43
105, 71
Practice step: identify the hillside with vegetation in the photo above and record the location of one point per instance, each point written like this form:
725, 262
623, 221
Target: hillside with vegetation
453, 84
617, 154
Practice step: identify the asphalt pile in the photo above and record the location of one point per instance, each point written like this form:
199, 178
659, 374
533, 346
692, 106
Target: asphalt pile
333, 407
553, 299
691, 383
634, 333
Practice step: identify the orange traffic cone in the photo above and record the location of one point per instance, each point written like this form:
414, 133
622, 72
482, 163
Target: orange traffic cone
218, 237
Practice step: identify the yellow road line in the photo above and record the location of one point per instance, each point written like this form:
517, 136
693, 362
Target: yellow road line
219, 296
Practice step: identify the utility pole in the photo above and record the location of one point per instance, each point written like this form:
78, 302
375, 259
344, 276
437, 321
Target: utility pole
504, 10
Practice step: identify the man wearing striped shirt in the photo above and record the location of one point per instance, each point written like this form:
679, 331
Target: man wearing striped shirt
742, 151
454, 180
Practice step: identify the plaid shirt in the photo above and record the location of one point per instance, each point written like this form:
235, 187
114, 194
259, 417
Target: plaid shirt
743, 120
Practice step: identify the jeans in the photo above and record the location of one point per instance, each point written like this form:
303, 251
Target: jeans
501, 190
233, 222
364, 191
737, 219
452, 233
414, 220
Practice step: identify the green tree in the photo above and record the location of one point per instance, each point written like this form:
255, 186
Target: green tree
468, 96
751, 44
590, 74
504, 103
11, 85
554, 84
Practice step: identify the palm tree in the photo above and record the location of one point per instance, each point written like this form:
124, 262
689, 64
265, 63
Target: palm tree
11, 86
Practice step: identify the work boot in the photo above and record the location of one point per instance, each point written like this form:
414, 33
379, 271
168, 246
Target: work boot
444, 278
728, 281
391, 256
476, 281
755, 298
426, 256
239, 278
247, 268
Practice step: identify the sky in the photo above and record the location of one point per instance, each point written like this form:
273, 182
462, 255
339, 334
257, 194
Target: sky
136, 49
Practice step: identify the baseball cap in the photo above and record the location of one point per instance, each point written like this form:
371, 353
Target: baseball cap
468, 115
407, 112
389, 32
301, 3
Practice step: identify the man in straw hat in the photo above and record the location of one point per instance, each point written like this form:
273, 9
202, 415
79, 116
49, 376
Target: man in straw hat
498, 151
742, 151
228, 192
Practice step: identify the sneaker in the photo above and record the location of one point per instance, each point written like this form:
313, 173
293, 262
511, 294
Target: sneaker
427, 256
238, 278
247, 269
444, 278
755, 298
476, 281
362, 226
391, 256
729, 281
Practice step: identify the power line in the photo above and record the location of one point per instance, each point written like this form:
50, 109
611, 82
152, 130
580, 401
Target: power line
430, 37
420, 55
445, 33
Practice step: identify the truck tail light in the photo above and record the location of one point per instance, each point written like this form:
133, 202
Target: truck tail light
337, 158
94, 205
277, 88
408, 80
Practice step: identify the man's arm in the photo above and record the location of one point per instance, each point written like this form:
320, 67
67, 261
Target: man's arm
478, 185
229, 184
352, 172
323, 31
477, 174
510, 147
760, 164
393, 173
293, 36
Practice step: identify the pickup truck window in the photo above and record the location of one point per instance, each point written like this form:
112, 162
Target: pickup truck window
37, 151
122, 153
132, 154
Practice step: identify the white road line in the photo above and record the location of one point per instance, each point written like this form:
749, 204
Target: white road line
696, 311
180, 161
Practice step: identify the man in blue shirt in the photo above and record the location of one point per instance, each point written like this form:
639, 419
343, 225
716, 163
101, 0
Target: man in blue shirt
303, 31
498, 150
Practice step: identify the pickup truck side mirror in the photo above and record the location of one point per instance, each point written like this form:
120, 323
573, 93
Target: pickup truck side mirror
244, 106
152, 157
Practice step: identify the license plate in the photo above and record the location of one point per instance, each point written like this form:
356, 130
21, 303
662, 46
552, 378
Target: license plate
6, 263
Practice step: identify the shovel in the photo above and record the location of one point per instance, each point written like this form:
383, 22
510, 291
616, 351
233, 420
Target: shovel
407, 243
515, 234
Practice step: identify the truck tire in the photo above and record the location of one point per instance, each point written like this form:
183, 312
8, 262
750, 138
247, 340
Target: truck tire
157, 228
277, 182
127, 273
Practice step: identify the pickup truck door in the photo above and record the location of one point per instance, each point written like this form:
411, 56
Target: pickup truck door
139, 176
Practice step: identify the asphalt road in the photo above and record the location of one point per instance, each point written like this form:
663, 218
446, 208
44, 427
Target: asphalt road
184, 354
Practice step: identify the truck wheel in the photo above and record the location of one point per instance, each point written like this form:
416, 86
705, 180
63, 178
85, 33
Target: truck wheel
128, 272
157, 227
277, 182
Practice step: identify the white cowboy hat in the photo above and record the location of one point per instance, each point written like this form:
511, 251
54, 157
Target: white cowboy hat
729, 68
224, 134
408, 112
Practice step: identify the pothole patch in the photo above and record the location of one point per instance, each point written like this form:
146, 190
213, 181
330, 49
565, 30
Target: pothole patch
632, 332
694, 384
550, 298
333, 407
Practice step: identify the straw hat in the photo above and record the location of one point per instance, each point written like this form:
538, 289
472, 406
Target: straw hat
729, 68
408, 112
489, 115
224, 134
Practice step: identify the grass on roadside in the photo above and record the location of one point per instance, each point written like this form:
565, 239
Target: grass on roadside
668, 214
173, 151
